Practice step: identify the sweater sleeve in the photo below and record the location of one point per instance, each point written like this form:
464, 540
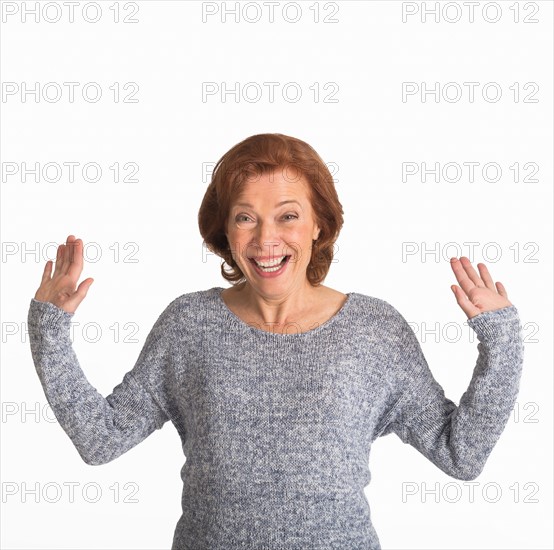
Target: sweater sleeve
458, 439
101, 428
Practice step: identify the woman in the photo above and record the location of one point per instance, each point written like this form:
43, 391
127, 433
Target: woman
278, 385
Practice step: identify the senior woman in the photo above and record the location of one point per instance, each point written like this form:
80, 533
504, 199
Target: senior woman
278, 385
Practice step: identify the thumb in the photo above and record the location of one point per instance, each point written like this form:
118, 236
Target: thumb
82, 289
501, 289
464, 302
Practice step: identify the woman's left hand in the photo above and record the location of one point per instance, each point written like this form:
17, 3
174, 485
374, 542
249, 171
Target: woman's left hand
478, 293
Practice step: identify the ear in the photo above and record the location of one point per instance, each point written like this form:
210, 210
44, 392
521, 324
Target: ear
316, 233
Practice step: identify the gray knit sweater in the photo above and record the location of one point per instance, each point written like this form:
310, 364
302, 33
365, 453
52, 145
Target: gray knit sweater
277, 428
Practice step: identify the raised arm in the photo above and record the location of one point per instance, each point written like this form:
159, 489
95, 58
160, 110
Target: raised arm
101, 428
459, 438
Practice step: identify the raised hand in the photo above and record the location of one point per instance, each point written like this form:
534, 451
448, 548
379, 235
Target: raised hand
60, 288
478, 293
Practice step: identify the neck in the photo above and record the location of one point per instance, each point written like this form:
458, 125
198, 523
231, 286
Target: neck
278, 310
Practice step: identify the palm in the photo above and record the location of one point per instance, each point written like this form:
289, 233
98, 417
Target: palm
59, 289
478, 292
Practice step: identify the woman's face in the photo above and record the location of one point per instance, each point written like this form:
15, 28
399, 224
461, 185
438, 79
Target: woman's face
272, 218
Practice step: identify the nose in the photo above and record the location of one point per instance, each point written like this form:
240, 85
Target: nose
267, 238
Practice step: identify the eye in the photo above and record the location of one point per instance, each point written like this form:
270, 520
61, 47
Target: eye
240, 217
293, 216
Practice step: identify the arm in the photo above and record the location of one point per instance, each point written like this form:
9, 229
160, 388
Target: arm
100, 428
459, 439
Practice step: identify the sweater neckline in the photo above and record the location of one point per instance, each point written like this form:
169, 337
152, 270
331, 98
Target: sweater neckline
233, 317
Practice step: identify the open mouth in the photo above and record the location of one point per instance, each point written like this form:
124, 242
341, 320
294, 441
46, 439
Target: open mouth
270, 266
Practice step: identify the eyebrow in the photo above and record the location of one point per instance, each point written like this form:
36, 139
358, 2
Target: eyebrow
278, 204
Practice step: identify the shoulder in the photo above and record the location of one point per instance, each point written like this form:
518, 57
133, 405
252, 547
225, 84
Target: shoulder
377, 309
364, 304
194, 298
187, 306
379, 320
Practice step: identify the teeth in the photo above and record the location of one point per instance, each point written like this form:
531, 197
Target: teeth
270, 263
270, 269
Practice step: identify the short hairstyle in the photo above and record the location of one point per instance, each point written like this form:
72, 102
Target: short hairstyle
264, 154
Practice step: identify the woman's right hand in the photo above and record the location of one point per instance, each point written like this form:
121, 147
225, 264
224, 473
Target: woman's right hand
60, 288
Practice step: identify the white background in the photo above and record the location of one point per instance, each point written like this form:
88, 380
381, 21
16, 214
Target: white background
365, 136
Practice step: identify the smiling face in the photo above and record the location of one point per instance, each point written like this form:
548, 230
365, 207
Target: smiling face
272, 220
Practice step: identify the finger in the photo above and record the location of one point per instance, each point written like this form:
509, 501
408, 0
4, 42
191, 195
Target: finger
501, 289
59, 260
75, 266
486, 276
471, 273
461, 275
47, 271
69, 254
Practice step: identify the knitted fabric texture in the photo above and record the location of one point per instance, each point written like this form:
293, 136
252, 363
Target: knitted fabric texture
277, 428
